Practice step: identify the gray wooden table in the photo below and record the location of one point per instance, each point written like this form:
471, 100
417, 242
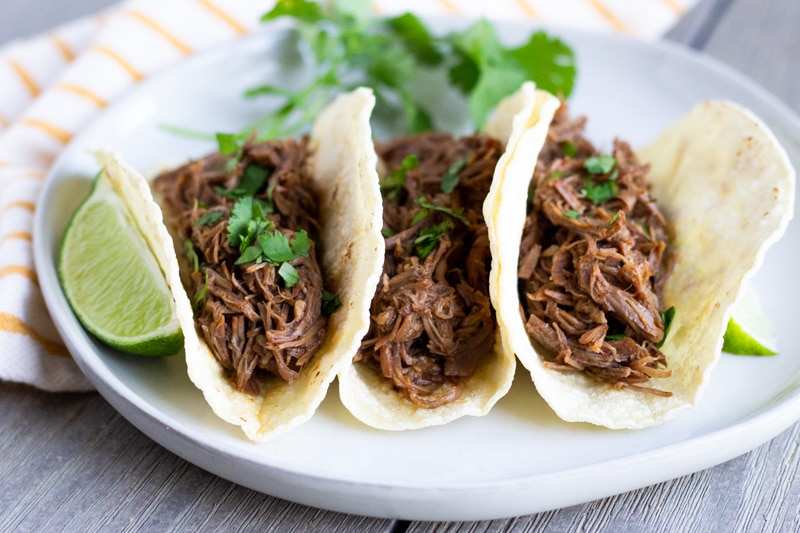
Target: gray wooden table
70, 462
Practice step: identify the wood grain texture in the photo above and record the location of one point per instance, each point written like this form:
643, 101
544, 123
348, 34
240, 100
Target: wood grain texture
69, 462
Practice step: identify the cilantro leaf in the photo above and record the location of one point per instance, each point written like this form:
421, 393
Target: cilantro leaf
451, 176
666, 318
208, 218
394, 182
458, 214
289, 274
602, 164
300, 244
572, 214
275, 246
330, 303
601, 192
549, 62
428, 239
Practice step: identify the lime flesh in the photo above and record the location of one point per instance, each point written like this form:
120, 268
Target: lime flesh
112, 281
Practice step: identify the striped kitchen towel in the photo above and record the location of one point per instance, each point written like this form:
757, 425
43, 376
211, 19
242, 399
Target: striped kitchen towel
53, 84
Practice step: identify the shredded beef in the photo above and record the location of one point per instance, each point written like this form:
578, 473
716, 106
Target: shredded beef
591, 272
431, 318
250, 320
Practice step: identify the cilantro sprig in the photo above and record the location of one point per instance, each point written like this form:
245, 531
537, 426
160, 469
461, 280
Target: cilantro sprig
605, 190
395, 56
258, 240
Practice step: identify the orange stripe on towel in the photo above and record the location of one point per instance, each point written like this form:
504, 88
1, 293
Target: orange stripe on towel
55, 132
449, 6
12, 324
21, 235
528, 9
19, 270
228, 19
63, 47
675, 6
20, 204
82, 92
609, 16
27, 79
155, 26
121, 61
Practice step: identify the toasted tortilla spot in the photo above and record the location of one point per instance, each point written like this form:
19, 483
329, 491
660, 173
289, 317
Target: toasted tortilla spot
712, 171
343, 156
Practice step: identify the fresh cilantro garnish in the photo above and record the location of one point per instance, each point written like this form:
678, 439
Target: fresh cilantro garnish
330, 303
208, 218
604, 191
602, 164
386, 232
393, 183
396, 55
615, 336
600, 192
569, 149
289, 274
427, 207
429, 238
614, 219
572, 214
451, 176
191, 255
198, 299
666, 318
253, 179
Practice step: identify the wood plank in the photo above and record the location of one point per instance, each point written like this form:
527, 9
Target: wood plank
70, 462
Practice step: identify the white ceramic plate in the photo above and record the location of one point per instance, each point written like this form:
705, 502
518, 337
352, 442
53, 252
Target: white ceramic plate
519, 459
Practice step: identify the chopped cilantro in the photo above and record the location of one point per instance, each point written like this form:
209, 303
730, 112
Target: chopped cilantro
191, 255
600, 192
572, 214
429, 238
604, 191
451, 176
393, 183
427, 206
602, 164
569, 149
198, 299
289, 274
208, 218
252, 180
330, 303
666, 318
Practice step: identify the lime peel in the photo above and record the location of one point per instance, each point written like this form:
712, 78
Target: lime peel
748, 331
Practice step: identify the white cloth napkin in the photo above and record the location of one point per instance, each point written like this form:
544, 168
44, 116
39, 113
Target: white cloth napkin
51, 85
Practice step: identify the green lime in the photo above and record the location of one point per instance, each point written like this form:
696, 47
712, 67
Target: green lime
112, 280
748, 331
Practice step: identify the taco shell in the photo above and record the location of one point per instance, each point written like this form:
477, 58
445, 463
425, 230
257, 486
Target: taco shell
727, 186
373, 399
343, 166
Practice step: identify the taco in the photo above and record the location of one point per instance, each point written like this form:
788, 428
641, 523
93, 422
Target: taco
434, 352
618, 276
280, 251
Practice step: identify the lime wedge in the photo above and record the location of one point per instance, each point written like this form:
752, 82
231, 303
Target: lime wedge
111, 279
748, 331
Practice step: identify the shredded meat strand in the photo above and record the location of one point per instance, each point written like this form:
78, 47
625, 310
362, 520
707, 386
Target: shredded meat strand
254, 325
590, 275
431, 318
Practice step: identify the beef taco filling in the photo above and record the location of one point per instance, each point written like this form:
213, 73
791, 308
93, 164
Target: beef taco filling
593, 261
431, 319
249, 226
